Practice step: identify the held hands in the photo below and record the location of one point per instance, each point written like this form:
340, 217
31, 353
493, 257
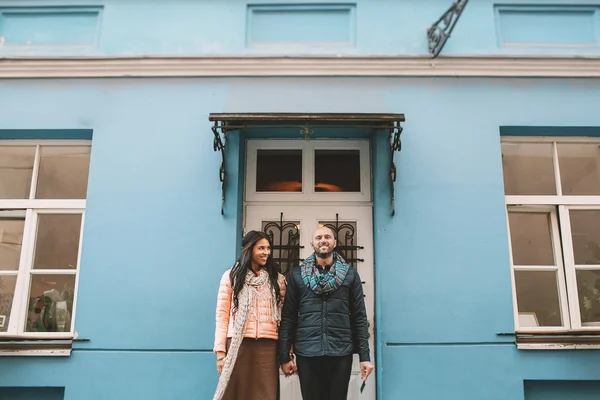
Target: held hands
365, 369
289, 368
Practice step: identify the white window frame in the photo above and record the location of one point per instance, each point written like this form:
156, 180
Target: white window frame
558, 267
308, 171
558, 206
30, 209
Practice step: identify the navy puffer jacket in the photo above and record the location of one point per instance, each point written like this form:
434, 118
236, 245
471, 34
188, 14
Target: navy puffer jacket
324, 325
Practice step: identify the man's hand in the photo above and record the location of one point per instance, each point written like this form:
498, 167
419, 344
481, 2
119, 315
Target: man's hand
289, 368
365, 369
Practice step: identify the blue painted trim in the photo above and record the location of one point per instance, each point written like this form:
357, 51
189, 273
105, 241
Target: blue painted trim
380, 150
556, 131
234, 167
241, 183
46, 134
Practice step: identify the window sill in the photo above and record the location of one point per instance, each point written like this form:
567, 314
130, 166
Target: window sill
559, 340
23, 346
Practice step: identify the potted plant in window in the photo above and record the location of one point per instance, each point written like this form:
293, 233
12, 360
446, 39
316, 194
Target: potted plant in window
589, 301
5, 306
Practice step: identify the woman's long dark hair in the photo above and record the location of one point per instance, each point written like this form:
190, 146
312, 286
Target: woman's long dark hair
238, 273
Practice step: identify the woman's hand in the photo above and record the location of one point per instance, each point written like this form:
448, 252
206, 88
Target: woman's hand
220, 361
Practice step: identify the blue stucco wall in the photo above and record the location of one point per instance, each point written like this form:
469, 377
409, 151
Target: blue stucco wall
370, 27
155, 243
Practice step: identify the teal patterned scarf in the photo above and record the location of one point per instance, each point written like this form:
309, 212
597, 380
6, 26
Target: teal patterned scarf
324, 282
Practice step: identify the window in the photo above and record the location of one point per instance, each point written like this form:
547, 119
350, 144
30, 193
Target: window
300, 170
552, 188
43, 186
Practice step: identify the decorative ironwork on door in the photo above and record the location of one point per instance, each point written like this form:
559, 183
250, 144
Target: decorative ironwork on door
285, 239
345, 233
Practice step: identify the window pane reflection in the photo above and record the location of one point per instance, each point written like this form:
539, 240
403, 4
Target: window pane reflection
585, 231
279, 171
588, 289
16, 169
50, 303
579, 166
63, 172
11, 238
337, 171
528, 169
57, 241
537, 298
531, 238
7, 290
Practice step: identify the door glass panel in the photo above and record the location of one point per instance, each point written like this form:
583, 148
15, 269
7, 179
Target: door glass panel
588, 289
345, 233
16, 169
528, 169
279, 171
11, 237
531, 239
537, 298
7, 291
337, 171
50, 303
579, 166
285, 237
585, 232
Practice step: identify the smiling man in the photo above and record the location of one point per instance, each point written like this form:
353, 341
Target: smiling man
325, 320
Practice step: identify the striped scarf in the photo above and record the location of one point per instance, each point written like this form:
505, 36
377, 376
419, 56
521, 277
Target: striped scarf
324, 282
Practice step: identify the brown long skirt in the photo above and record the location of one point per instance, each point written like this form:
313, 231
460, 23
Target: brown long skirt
255, 375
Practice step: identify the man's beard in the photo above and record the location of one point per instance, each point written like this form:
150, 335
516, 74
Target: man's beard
322, 255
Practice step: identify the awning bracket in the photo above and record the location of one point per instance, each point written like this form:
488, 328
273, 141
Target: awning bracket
219, 145
439, 32
395, 145
306, 123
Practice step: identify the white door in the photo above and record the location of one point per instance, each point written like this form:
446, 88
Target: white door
291, 228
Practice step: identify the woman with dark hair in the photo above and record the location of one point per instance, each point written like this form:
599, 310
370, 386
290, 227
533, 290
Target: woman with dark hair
248, 313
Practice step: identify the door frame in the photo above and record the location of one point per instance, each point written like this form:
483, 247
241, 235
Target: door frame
307, 218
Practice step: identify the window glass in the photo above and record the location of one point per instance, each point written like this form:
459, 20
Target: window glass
337, 171
531, 238
528, 169
579, 166
57, 241
50, 303
537, 298
63, 172
16, 169
279, 171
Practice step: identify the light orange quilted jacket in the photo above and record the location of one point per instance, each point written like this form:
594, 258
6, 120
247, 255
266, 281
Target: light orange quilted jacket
260, 324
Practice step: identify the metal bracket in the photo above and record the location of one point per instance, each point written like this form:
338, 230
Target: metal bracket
439, 32
307, 131
306, 123
219, 145
395, 145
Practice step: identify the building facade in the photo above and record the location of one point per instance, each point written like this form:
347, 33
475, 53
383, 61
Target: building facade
462, 177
